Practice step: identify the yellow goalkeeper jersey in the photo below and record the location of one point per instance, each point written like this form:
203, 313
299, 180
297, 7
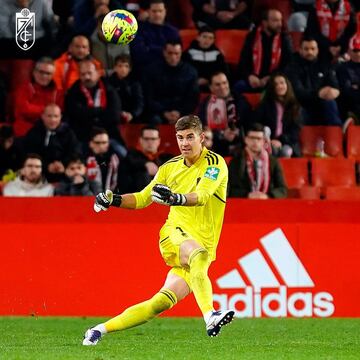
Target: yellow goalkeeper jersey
208, 178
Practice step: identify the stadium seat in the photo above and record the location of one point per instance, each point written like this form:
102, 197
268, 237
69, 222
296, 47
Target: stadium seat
296, 37
309, 193
353, 143
342, 193
230, 42
331, 135
332, 172
296, 172
253, 99
187, 36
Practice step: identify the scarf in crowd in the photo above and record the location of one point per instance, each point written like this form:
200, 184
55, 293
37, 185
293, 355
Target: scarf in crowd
154, 157
221, 113
258, 52
94, 172
99, 98
333, 26
259, 171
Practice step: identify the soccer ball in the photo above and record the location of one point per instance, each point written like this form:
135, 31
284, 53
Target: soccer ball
119, 27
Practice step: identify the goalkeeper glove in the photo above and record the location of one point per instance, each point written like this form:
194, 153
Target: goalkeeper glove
106, 199
162, 194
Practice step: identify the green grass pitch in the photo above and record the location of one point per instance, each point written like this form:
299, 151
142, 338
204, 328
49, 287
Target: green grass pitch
31, 338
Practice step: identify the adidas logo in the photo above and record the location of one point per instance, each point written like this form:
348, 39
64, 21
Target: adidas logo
274, 265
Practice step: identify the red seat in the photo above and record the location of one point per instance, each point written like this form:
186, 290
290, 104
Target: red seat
228, 159
187, 36
296, 37
333, 172
296, 172
230, 42
353, 142
253, 99
331, 135
342, 193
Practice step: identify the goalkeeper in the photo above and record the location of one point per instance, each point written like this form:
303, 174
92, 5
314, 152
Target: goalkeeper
194, 186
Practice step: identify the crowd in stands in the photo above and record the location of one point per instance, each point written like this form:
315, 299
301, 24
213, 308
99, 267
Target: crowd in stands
64, 101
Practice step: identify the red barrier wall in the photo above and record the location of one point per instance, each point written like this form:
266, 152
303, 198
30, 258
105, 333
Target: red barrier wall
60, 258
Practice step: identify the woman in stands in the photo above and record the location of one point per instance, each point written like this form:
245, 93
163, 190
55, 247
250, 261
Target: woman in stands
280, 111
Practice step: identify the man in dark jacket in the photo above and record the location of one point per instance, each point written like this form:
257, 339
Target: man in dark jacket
267, 48
254, 174
170, 87
315, 85
53, 140
91, 102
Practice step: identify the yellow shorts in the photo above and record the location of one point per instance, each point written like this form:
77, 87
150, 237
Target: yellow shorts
170, 240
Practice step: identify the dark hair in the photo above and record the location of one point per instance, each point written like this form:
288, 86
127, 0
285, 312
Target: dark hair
74, 158
254, 127
290, 103
97, 131
32, 156
172, 43
155, 2
123, 58
308, 38
189, 122
216, 73
207, 29
149, 127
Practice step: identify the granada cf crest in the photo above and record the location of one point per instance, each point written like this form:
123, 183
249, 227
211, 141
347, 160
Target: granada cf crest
25, 29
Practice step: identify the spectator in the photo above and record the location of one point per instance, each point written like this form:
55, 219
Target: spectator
170, 87
104, 165
45, 28
206, 58
280, 111
91, 102
10, 152
208, 138
224, 113
75, 182
30, 182
128, 89
253, 173
331, 23
152, 36
267, 48
222, 14
348, 74
144, 161
53, 140
315, 85
32, 96
67, 65
103, 50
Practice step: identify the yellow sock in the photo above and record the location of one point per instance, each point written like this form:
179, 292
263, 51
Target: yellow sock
199, 280
143, 312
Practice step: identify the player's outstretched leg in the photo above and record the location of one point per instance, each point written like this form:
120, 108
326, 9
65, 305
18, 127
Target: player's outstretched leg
133, 316
201, 286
